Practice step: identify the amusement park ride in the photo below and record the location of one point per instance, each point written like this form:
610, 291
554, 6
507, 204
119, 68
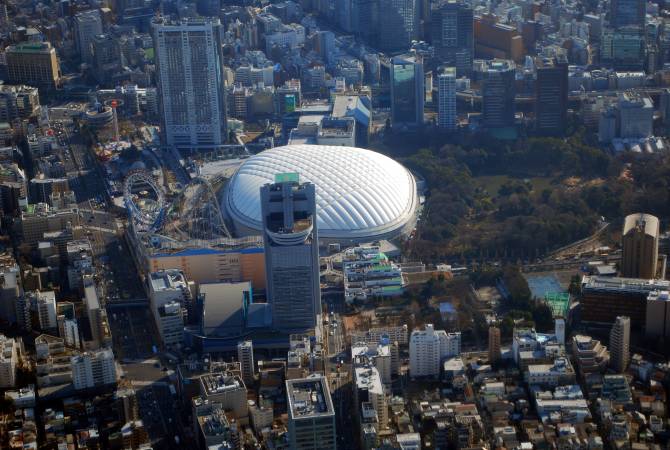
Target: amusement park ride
194, 214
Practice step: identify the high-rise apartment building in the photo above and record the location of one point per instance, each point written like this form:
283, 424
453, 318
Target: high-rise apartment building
498, 92
34, 64
245, 355
87, 25
428, 348
640, 246
452, 32
620, 344
9, 358
370, 389
311, 414
189, 68
290, 234
398, 24
407, 91
446, 99
551, 95
46, 309
624, 13
494, 344
91, 369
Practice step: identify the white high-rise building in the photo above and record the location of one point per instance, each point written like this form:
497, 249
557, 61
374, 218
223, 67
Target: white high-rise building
70, 333
428, 348
9, 358
446, 95
245, 355
369, 388
620, 344
189, 68
91, 369
87, 25
46, 310
559, 330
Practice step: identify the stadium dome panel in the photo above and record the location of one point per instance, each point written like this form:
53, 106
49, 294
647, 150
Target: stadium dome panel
361, 195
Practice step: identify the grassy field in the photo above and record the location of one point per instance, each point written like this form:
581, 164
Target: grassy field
492, 183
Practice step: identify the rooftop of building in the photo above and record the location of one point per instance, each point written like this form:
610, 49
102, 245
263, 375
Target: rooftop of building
632, 285
217, 383
309, 397
560, 365
215, 423
661, 296
30, 47
168, 280
645, 223
368, 378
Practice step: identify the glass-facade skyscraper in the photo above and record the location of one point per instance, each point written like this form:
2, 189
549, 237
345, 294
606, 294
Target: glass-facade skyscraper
407, 91
398, 24
452, 32
498, 92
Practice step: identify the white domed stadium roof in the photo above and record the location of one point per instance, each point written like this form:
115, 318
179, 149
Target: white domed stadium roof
360, 194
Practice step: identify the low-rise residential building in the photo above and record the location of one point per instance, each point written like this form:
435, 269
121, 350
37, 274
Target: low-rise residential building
551, 375
590, 355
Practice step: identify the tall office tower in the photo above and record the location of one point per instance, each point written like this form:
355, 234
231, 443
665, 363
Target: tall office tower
428, 348
398, 24
446, 98
494, 344
87, 25
189, 68
34, 64
291, 252
624, 13
498, 93
452, 32
551, 95
640, 246
620, 344
311, 414
245, 356
107, 57
407, 91
365, 19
